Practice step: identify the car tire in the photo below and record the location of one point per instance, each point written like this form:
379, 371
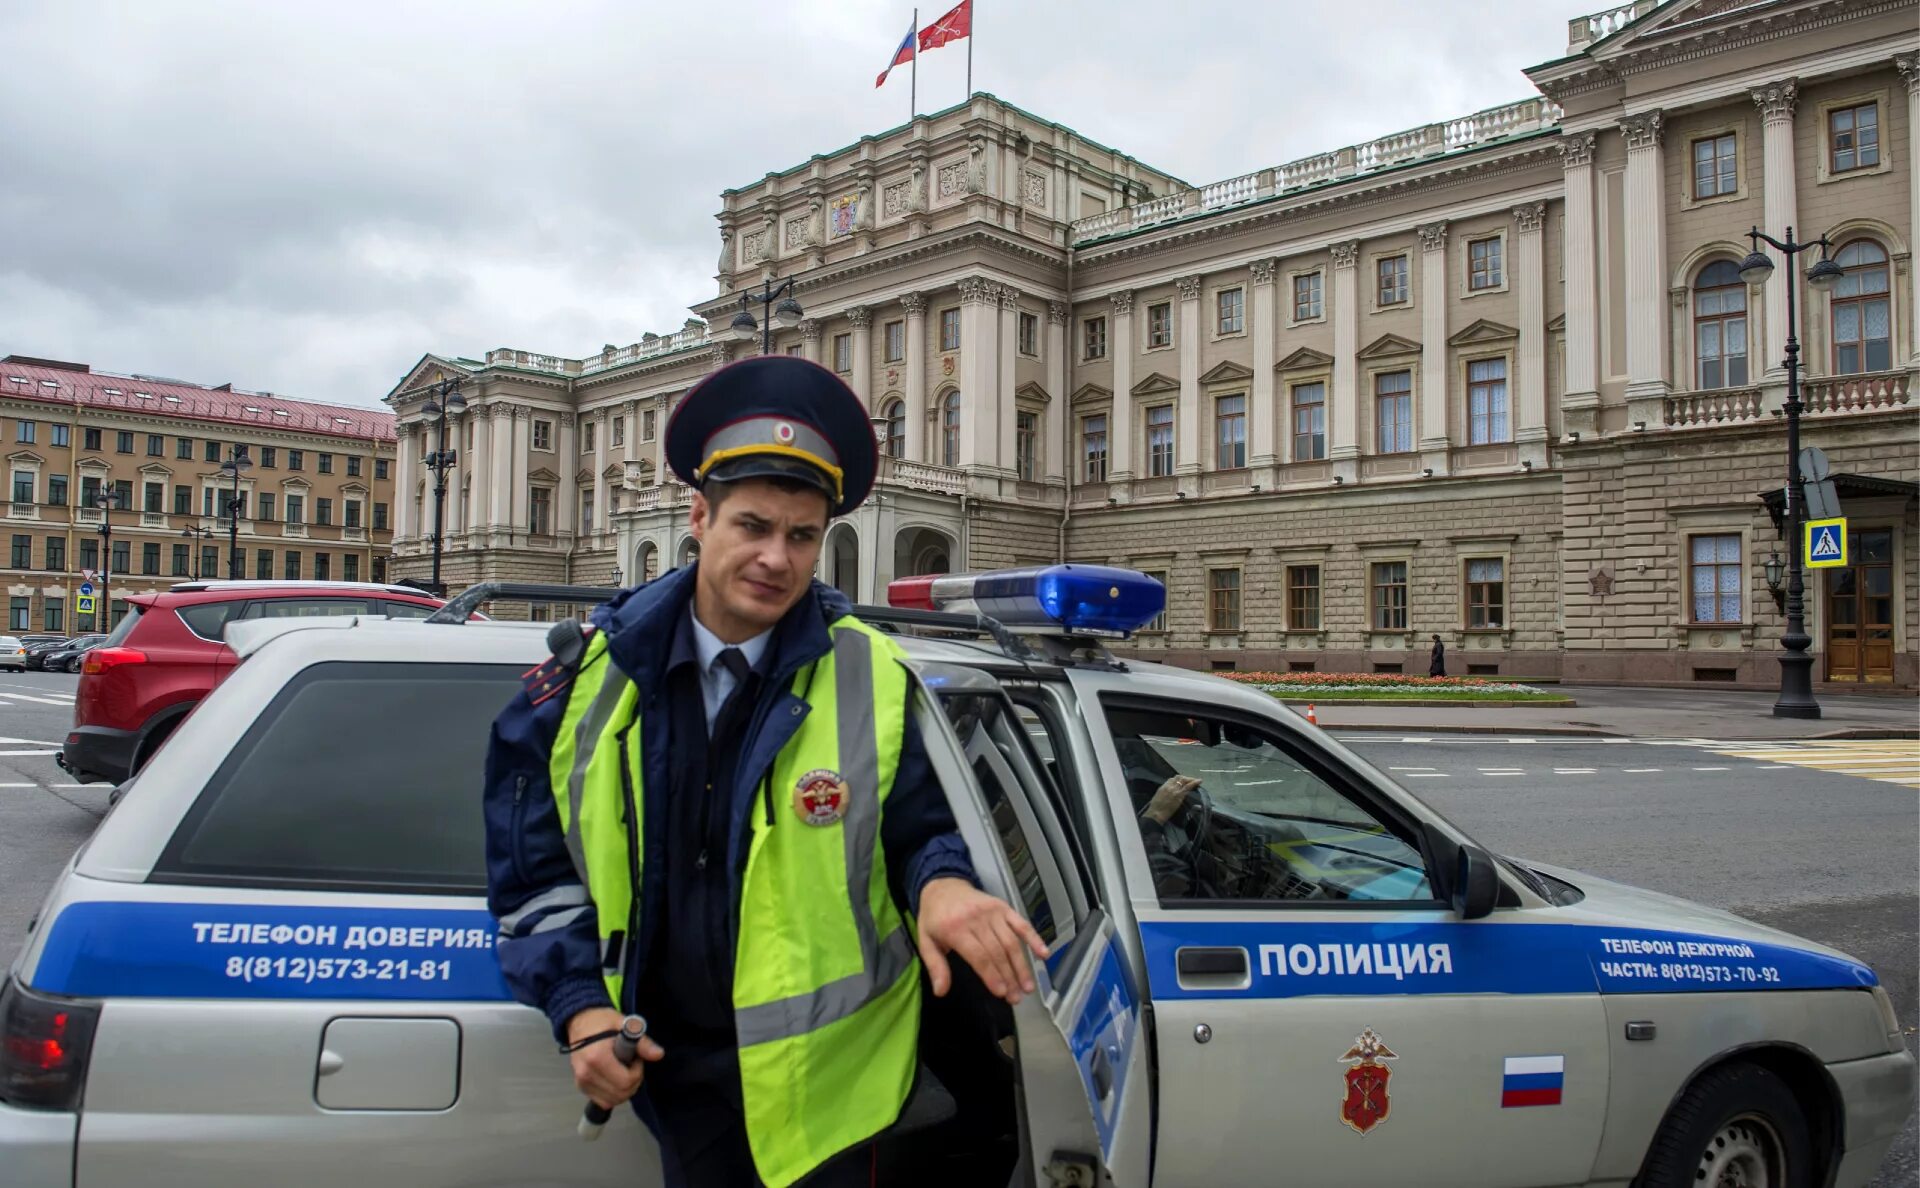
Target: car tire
1738, 1120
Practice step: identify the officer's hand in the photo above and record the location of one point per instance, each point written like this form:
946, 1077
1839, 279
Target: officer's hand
605, 1080
957, 917
1168, 798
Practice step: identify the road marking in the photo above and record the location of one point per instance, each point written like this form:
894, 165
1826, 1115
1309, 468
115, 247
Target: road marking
1574, 771
1424, 775
1404, 740
41, 700
18, 754
1409, 769
1640, 770
67, 785
31, 742
19, 785
1713, 769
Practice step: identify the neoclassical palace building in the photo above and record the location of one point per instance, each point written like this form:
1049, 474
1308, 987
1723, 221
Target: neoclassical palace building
1496, 378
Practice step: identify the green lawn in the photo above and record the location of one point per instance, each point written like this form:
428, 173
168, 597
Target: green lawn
1424, 696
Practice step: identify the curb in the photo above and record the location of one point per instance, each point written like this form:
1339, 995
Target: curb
1511, 732
1864, 733
1436, 702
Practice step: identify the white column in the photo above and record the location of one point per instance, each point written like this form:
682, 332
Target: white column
566, 517
1263, 450
404, 459
501, 469
1187, 419
1579, 406
457, 446
481, 513
862, 318
1909, 67
979, 374
659, 444
1646, 236
1005, 352
602, 510
810, 340
1343, 448
1059, 401
914, 415
1529, 265
1120, 420
1781, 204
522, 444
1435, 436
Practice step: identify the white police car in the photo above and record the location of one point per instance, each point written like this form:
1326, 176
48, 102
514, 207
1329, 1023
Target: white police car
272, 962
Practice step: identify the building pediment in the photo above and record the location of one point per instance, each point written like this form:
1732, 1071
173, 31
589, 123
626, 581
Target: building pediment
583, 476
354, 489
1388, 346
1305, 359
1092, 394
1154, 384
295, 485
431, 369
543, 475
1227, 373
617, 470
26, 458
156, 470
1483, 331
1557, 324
1033, 393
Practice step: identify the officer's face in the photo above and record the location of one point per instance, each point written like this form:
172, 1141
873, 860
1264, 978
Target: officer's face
757, 552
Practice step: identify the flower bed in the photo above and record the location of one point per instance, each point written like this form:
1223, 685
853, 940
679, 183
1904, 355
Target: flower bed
1377, 686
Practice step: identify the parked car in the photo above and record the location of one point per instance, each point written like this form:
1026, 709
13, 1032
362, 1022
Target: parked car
13, 653
140, 681
65, 656
37, 649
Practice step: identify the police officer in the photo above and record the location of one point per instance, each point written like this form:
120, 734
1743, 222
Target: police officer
711, 807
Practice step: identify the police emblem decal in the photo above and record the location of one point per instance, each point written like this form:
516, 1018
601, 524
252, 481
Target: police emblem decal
820, 797
783, 433
1365, 1105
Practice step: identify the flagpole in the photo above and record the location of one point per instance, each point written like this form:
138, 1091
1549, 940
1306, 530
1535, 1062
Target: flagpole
913, 89
970, 19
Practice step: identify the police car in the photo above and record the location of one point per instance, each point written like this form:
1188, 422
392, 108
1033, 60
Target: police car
272, 962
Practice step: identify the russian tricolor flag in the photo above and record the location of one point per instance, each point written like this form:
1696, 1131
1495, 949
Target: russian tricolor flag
1532, 1081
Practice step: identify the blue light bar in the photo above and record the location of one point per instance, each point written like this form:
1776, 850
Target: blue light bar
1097, 600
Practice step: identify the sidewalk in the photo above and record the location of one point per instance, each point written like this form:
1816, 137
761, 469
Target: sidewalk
1639, 713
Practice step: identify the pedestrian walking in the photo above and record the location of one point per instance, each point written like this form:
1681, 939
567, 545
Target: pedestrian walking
1437, 661
711, 808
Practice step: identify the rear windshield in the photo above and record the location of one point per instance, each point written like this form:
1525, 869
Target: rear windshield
360, 775
120, 633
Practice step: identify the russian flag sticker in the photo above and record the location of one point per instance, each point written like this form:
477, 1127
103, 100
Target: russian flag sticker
1532, 1081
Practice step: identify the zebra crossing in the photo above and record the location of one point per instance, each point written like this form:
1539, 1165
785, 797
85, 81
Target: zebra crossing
1892, 761
21, 738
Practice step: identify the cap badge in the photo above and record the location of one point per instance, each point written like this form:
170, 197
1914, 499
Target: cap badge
783, 433
820, 797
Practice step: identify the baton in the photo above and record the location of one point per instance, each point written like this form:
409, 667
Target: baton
626, 1049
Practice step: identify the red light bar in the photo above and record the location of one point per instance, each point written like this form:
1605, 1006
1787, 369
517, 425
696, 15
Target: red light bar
913, 593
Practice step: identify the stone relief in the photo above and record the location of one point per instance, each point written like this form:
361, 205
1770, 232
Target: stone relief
1531, 216
952, 179
1642, 131
1034, 189
1346, 254
895, 200
753, 247
1576, 149
1776, 100
797, 232
1263, 272
1433, 236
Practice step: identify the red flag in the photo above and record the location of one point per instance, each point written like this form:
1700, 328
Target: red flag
951, 27
903, 54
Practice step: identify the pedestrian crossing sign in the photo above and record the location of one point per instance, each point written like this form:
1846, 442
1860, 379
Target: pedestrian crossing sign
1826, 543
83, 605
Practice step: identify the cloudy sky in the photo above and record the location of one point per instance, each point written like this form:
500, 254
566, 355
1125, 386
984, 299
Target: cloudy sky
303, 197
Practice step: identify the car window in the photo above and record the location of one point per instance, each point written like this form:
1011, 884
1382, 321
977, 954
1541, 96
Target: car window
119, 634
292, 805
8, 641
305, 608
407, 610
207, 618
1261, 823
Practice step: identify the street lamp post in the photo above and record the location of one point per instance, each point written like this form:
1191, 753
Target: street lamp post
1796, 663
785, 315
196, 535
234, 466
446, 399
106, 500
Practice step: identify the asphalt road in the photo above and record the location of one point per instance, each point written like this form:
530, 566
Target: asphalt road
1819, 853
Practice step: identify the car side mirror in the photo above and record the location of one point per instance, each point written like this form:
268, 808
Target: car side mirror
1476, 885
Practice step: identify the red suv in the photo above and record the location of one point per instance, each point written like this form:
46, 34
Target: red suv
168, 653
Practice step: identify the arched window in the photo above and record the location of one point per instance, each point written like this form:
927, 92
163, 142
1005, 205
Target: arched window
1862, 315
895, 413
950, 430
1719, 327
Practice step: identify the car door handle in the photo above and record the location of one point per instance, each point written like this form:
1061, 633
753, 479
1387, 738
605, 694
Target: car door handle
1212, 968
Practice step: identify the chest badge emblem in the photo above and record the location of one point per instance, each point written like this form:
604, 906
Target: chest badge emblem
820, 797
1366, 1103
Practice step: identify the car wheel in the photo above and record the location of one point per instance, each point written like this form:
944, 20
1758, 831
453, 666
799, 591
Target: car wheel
1738, 1126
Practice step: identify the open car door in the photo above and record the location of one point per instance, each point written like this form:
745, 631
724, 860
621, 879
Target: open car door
1084, 1091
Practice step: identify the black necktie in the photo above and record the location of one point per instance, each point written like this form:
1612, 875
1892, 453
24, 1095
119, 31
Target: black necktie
735, 662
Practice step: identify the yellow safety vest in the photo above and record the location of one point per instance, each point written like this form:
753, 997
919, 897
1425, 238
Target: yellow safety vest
825, 978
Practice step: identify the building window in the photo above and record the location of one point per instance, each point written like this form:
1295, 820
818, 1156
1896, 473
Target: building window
22, 551
1230, 311
1159, 621
61, 435
292, 571
586, 510
895, 336
1223, 600
323, 511
1303, 598
1483, 264
23, 432
183, 449
586, 436
542, 436
55, 609
296, 459
23, 486
1486, 593
326, 463
1716, 169
263, 506
1719, 327
156, 446
89, 491
1306, 297
1392, 276
1487, 420
262, 564
1393, 411
896, 414
949, 329
1714, 578
379, 470
1093, 448
122, 557
843, 353
90, 438
153, 497
796, 348
296, 509
182, 555
1094, 331
56, 490
1853, 137
1862, 316
269, 457
950, 430
379, 517
123, 442
150, 559
322, 566
123, 494
353, 462
353, 513
56, 553
1160, 441
213, 451
1030, 334
1309, 422
540, 511
379, 569
89, 553
1230, 432
350, 567
1026, 440
210, 561
1159, 325
619, 432
19, 614
1389, 595
182, 499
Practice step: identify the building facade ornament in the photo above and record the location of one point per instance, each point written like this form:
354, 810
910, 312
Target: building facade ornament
860, 315
1033, 189
1433, 236
1263, 271
915, 303
1909, 67
566, 420
726, 250
1576, 149
810, 329
1531, 216
896, 200
952, 180
1345, 254
1122, 301
976, 290
1642, 131
722, 353
1776, 99
522, 412
1189, 288
1009, 297
1056, 313
797, 232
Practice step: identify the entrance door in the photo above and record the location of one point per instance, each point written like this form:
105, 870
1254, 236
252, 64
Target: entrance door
1860, 610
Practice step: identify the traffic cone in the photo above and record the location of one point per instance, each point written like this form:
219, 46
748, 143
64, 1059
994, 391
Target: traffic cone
1310, 716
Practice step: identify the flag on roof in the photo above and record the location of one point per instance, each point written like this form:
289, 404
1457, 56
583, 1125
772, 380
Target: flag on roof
903, 54
951, 27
